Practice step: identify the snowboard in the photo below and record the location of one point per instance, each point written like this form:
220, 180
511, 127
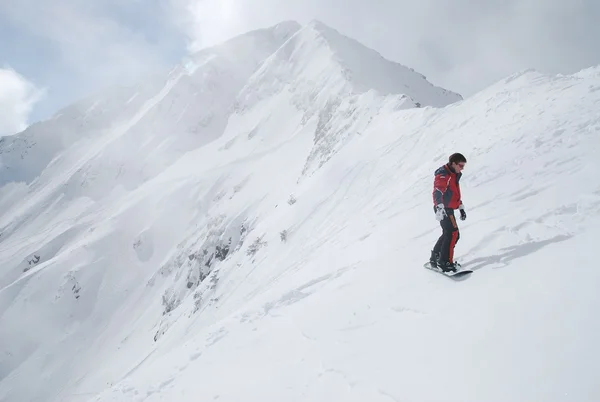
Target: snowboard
456, 274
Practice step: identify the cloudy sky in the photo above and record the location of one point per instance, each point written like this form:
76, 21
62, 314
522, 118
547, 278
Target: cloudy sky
53, 52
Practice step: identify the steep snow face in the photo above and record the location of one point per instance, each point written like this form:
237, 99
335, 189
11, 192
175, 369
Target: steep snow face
24, 156
102, 147
191, 113
196, 109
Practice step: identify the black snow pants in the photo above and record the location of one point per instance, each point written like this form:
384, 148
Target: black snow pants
450, 235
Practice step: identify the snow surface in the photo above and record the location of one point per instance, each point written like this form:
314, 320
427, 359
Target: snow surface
115, 287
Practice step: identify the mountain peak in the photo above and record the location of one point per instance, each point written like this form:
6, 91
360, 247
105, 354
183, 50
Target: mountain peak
318, 58
319, 25
368, 69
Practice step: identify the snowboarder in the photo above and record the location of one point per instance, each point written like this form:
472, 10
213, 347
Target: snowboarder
447, 198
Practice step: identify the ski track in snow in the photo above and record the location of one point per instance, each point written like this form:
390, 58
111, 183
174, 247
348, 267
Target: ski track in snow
322, 295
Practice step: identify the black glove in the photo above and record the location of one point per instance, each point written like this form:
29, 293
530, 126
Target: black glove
463, 214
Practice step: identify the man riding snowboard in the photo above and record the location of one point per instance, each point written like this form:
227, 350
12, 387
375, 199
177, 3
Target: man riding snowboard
446, 198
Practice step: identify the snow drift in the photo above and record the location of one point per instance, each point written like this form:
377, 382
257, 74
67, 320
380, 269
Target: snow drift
276, 254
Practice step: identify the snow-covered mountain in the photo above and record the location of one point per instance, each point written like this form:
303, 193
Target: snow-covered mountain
149, 124
252, 227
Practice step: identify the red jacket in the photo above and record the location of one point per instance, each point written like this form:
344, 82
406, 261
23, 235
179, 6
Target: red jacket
446, 188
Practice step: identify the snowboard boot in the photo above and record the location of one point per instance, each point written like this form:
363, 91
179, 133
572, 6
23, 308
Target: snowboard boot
433, 259
448, 266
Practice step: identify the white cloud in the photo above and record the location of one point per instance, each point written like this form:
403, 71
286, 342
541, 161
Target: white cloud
17, 97
207, 22
95, 43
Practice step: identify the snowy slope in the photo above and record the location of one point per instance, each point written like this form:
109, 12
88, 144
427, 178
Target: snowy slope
282, 260
25, 155
103, 147
191, 113
341, 309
